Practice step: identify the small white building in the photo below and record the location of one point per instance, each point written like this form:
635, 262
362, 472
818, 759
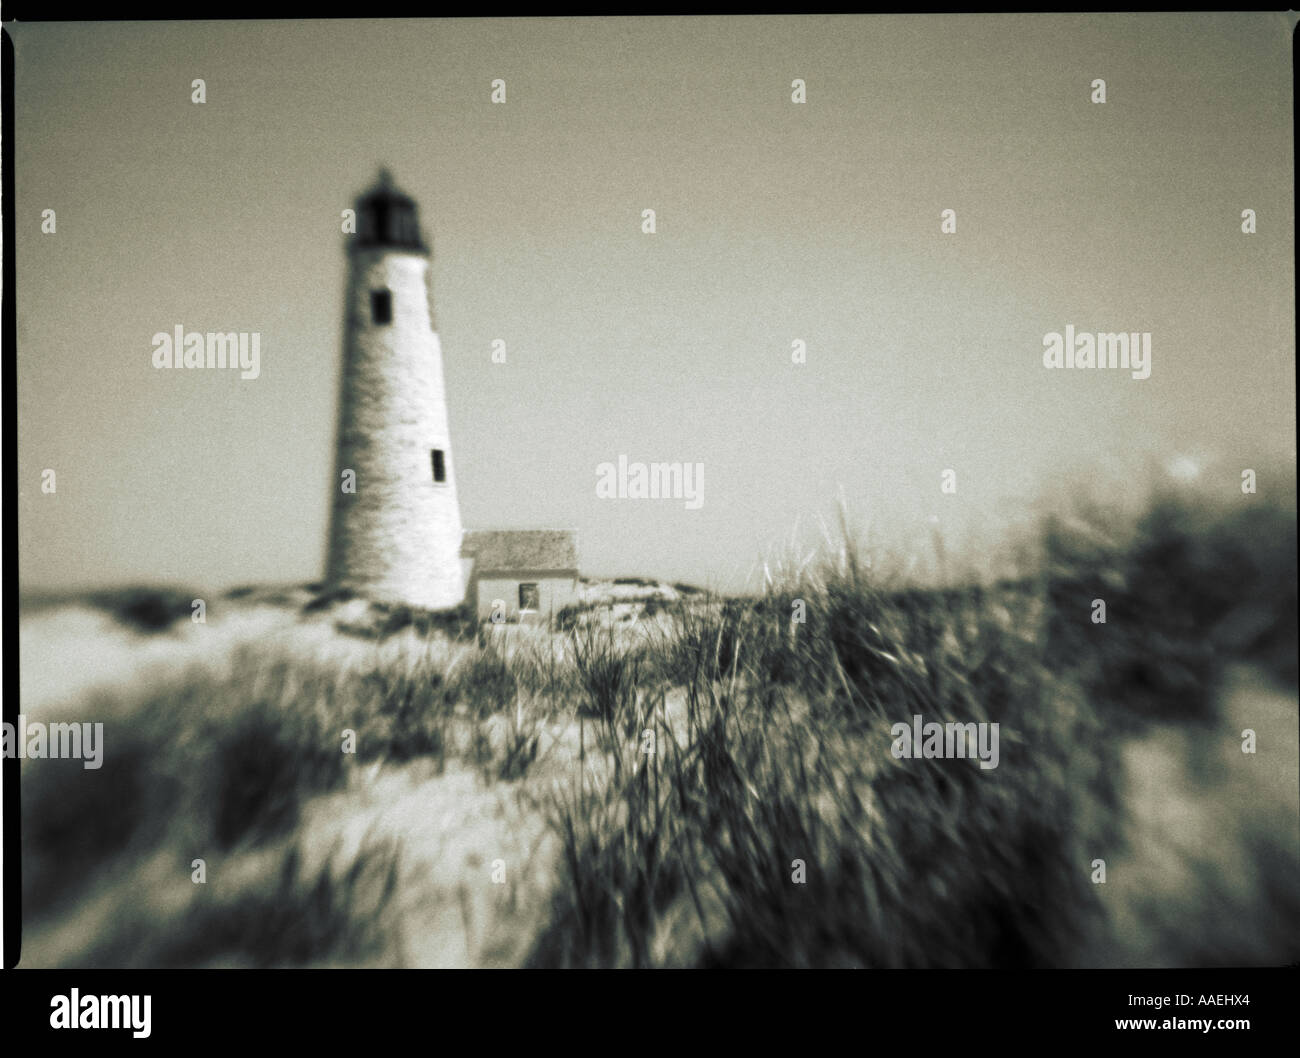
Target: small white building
525, 575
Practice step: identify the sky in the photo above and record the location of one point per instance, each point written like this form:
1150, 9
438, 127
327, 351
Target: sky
775, 221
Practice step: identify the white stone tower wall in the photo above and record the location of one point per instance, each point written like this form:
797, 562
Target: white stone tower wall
398, 537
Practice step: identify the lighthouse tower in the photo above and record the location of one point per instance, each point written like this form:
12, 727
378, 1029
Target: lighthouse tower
395, 534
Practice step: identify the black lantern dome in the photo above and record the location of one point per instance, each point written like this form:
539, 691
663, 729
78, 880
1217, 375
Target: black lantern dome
388, 219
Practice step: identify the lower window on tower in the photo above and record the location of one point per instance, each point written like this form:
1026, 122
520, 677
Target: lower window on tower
439, 465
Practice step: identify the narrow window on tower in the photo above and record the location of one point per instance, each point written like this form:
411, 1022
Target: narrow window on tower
381, 306
439, 466
529, 599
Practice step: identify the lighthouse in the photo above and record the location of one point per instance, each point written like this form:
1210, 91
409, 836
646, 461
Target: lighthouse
395, 531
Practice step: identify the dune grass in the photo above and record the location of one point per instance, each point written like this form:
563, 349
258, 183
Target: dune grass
774, 827
734, 801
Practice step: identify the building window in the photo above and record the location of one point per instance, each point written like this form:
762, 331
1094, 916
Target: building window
439, 466
381, 306
530, 599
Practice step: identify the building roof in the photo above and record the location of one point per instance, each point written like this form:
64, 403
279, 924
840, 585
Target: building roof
522, 549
